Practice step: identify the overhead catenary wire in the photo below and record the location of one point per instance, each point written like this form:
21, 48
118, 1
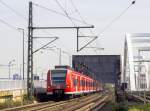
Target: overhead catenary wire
58, 3
10, 26
13, 10
7, 24
116, 18
82, 19
59, 13
65, 12
18, 14
61, 43
22, 16
66, 15
78, 12
70, 18
56, 52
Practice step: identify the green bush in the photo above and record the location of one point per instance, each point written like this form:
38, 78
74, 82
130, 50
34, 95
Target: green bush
141, 107
120, 107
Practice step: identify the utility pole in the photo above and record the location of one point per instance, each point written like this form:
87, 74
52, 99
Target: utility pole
77, 39
30, 86
22, 53
68, 56
30, 55
9, 65
59, 56
30, 89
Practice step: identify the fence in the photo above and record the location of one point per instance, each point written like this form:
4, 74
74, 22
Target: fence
20, 84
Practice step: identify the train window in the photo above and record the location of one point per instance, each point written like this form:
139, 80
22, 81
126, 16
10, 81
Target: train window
87, 83
94, 84
75, 82
58, 76
83, 83
80, 82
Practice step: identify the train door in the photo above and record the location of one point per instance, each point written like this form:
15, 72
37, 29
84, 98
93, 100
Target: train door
49, 83
76, 83
90, 85
84, 85
73, 80
78, 79
81, 84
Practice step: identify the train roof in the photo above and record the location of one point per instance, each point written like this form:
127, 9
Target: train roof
66, 67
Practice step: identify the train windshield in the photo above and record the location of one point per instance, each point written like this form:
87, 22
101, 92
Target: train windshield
58, 76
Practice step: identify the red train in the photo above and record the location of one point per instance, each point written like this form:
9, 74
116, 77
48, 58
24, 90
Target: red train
64, 80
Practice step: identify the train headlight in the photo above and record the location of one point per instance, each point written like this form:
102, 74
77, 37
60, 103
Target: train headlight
67, 86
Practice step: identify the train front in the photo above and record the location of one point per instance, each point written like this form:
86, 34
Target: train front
56, 82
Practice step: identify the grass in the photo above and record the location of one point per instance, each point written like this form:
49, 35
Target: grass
10, 103
140, 107
134, 107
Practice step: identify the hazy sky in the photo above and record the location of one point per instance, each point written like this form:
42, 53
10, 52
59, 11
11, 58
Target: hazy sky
96, 12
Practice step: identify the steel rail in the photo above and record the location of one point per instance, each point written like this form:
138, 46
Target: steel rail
64, 105
48, 105
88, 105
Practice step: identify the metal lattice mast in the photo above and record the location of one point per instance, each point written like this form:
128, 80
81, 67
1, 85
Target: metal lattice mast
30, 54
30, 89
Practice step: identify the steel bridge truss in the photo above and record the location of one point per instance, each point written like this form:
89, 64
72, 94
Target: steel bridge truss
136, 72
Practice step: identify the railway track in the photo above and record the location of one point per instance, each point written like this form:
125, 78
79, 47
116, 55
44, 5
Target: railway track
67, 105
99, 103
141, 97
95, 105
